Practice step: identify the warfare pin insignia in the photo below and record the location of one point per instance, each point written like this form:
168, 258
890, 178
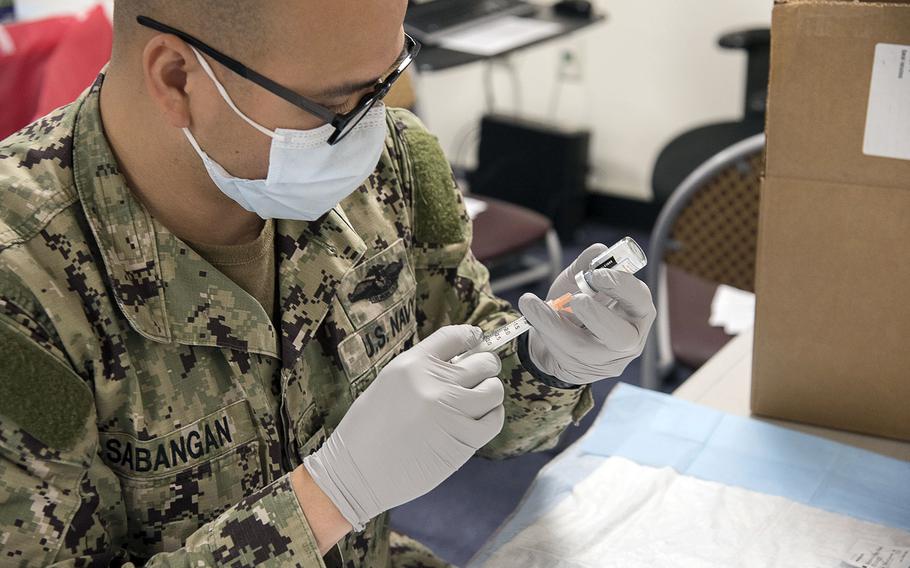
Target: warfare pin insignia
380, 283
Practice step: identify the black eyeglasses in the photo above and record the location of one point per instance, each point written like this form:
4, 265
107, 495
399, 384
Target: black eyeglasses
343, 123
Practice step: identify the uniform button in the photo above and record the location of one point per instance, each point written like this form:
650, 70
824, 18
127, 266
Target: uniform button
541, 405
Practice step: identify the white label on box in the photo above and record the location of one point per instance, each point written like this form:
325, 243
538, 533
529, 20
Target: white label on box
888, 115
867, 554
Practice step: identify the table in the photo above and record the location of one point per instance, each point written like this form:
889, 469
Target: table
432, 58
724, 383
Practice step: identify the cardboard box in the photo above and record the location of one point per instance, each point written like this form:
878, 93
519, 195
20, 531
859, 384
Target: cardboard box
832, 337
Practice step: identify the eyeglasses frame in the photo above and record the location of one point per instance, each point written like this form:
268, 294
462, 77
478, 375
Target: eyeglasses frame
340, 122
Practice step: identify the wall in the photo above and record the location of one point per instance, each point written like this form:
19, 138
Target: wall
653, 70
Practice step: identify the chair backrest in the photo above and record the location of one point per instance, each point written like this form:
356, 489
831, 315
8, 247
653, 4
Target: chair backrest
757, 44
714, 233
708, 227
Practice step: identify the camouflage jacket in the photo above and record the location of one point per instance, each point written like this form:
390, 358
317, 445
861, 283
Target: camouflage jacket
150, 410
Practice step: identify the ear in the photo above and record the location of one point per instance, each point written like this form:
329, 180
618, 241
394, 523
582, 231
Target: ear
166, 62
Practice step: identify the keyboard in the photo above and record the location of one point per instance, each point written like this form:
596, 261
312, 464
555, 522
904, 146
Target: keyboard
427, 20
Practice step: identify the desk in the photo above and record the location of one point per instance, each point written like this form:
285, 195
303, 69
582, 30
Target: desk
724, 383
432, 58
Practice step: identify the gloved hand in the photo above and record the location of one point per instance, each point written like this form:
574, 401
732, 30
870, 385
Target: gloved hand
419, 421
609, 339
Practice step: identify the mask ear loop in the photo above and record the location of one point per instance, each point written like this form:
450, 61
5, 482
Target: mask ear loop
193, 143
227, 98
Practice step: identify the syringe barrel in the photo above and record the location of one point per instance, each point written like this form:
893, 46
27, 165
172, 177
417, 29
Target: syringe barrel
495, 339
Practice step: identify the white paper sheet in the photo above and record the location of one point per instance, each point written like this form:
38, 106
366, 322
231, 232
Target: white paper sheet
627, 515
7, 45
474, 206
733, 309
888, 115
499, 35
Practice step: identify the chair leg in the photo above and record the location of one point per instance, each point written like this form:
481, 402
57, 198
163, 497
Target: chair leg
554, 251
649, 373
657, 359
531, 275
538, 271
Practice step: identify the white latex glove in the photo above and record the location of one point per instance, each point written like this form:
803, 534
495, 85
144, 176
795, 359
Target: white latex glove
419, 421
610, 337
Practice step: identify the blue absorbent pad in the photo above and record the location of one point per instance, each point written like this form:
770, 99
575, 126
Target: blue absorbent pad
659, 430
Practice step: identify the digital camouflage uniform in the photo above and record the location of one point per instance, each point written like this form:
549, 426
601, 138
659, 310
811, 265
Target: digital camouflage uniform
150, 411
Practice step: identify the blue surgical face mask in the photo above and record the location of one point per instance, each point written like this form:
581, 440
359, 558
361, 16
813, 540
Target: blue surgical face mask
307, 177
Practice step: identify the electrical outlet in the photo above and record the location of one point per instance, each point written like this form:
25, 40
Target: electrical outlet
572, 65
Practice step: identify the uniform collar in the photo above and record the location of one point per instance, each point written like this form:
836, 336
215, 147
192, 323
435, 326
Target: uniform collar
168, 293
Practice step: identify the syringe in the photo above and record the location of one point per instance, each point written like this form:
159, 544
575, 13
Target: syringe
625, 255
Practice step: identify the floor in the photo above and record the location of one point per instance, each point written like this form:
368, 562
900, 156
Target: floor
457, 517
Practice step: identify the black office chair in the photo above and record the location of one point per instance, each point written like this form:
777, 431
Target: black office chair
690, 149
706, 235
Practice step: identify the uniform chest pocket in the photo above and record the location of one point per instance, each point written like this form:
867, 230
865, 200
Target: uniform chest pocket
175, 483
376, 284
379, 299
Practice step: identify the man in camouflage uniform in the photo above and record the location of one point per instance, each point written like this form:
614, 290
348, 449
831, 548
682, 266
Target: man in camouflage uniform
160, 406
